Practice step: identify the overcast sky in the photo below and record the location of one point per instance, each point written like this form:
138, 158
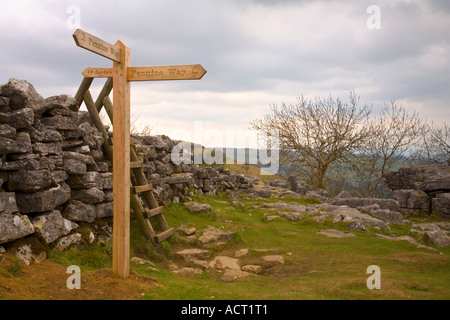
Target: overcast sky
256, 53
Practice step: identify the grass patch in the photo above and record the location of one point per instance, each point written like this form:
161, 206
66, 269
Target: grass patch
316, 267
97, 256
13, 269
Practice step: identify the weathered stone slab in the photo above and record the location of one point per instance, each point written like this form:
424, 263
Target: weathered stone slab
42, 201
92, 195
8, 202
19, 119
441, 204
197, 207
214, 236
29, 181
7, 131
331, 233
104, 210
412, 201
51, 225
21, 94
79, 211
14, 226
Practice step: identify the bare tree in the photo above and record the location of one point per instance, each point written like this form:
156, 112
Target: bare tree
435, 145
393, 137
316, 133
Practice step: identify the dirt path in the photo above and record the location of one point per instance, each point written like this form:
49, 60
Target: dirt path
47, 281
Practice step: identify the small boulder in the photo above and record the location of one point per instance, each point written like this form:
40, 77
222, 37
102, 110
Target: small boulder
213, 236
197, 207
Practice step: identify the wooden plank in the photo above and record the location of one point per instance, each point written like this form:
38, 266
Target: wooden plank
154, 212
138, 215
164, 235
144, 188
153, 73
121, 163
92, 43
175, 72
106, 90
84, 86
136, 164
108, 107
90, 105
97, 72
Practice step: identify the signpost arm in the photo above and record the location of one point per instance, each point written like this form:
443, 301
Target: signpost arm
121, 163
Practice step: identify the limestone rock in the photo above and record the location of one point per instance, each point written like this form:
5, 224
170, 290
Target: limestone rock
14, 226
73, 166
50, 226
214, 236
233, 274
29, 181
21, 94
187, 178
428, 178
197, 207
186, 231
441, 204
190, 255
413, 201
439, 238
92, 195
252, 268
280, 205
331, 233
223, 262
8, 202
104, 210
66, 242
27, 254
276, 258
41, 133
290, 215
399, 238
320, 195
42, 201
278, 183
355, 202
79, 211
7, 131
58, 102
241, 253
21, 144
187, 271
19, 119
346, 214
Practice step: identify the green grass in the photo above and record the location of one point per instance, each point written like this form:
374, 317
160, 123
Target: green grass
318, 268
15, 269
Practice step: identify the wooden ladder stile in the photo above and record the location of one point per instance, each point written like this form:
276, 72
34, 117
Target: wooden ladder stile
142, 200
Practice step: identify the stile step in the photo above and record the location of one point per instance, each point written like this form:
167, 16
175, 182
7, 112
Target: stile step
153, 212
136, 164
143, 188
164, 235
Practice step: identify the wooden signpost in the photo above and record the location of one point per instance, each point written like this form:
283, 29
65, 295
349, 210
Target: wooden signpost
155, 73
122, 74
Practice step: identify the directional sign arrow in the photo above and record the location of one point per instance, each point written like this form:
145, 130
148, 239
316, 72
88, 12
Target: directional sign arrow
178, 72
175, 72
96, 45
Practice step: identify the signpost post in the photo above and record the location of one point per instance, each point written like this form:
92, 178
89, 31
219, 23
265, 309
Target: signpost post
122, 74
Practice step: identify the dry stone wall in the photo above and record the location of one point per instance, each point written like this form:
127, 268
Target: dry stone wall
54, 176
52, 171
